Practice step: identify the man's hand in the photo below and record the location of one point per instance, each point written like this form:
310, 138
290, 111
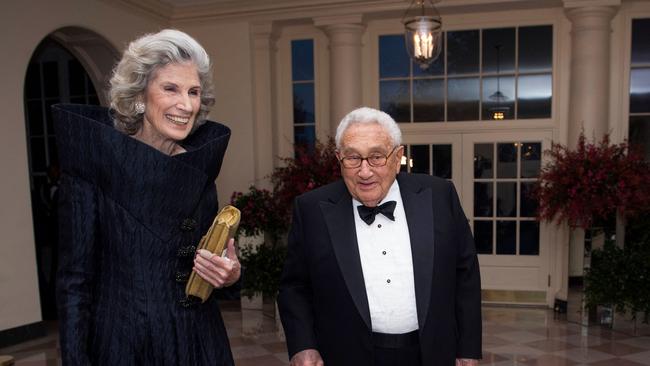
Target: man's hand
218, 271
308, 357
466, 362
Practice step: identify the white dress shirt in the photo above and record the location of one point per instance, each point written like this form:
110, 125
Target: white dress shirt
387, 264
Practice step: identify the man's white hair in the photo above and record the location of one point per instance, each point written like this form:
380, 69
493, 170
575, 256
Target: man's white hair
369, 115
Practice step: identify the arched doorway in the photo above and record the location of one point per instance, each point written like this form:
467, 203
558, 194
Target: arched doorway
61, 70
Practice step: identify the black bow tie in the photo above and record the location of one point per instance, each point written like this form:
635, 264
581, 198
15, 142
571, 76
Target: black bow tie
368, 213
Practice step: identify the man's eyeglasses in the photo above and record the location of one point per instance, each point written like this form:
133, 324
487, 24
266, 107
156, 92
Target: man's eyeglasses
375, 160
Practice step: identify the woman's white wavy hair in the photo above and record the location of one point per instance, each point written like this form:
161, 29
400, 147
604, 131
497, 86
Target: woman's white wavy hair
140, 61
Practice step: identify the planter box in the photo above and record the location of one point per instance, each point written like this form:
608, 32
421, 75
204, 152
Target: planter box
625, 323
254, 303
257, 301
252, 322
278, 322
250, 241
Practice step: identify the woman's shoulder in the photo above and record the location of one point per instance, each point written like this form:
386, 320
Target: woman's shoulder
82, 126
92, 148
210, 132
206, 148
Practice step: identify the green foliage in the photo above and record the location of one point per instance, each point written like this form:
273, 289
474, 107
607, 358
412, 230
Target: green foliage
620, 277
262, 269
270, 212
259, 213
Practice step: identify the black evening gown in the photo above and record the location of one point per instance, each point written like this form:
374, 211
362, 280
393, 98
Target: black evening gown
130, 218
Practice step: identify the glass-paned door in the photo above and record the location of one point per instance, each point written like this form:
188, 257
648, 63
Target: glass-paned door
494, 174
434, 154
499, 174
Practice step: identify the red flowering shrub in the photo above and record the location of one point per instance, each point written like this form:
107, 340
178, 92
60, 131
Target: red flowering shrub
258, 212
270, 212
310, 169
589, 184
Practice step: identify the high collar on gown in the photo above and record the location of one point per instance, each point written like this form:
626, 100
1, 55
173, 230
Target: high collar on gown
158, 189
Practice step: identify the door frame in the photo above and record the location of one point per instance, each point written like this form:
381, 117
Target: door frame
510, 273
509, 277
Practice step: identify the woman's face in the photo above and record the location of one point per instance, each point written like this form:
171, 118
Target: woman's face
172, 99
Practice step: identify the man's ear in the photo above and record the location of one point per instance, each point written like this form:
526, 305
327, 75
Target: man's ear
399, 153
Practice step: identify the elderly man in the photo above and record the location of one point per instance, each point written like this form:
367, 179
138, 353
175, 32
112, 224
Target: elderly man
381, 268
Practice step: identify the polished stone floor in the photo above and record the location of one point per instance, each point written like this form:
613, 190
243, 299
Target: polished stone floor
511, 336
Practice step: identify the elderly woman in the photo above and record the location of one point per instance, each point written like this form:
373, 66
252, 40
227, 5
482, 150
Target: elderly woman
137, 193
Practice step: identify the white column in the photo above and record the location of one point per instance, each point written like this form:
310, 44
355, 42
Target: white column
262, 40
588, 109
344, 33
589, 83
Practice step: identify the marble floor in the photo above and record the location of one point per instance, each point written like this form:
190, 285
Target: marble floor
511, 336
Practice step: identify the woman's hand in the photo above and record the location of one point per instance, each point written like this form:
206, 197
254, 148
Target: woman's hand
218, 271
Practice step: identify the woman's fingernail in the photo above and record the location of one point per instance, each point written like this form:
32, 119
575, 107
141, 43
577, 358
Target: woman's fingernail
205, 253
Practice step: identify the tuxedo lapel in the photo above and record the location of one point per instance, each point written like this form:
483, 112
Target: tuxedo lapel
339, 217
418, 207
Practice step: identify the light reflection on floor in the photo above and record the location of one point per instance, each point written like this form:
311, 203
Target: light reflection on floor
511, 336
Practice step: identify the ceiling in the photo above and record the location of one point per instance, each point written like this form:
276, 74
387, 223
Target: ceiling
210, 10
204, 2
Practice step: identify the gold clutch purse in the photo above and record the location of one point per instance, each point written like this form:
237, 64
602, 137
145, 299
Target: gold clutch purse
215, 240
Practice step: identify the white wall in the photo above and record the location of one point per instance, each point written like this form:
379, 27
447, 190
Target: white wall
28, 23
24, 25
228, 45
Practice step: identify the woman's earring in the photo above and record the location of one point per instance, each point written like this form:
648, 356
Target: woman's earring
139, 107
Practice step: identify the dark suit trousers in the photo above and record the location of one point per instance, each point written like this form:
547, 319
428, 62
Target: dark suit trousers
404, 356
397, 349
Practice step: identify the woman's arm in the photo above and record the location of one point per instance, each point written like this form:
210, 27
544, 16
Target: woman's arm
77, 237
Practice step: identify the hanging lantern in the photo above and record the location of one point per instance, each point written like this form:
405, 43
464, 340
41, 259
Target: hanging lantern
499, 111
423, 32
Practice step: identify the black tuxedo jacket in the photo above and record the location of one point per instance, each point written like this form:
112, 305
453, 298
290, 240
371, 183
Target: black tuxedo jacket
323, 302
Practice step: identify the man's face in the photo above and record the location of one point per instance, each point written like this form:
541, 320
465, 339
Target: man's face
367, 184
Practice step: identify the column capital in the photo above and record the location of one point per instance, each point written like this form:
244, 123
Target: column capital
590, 18
263, 35
339, 20
569, 4
343, 30
262, 29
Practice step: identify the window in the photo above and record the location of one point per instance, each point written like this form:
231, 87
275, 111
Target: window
302, 77
53, 76
503, 73
639, 127
504, 211
432, 159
